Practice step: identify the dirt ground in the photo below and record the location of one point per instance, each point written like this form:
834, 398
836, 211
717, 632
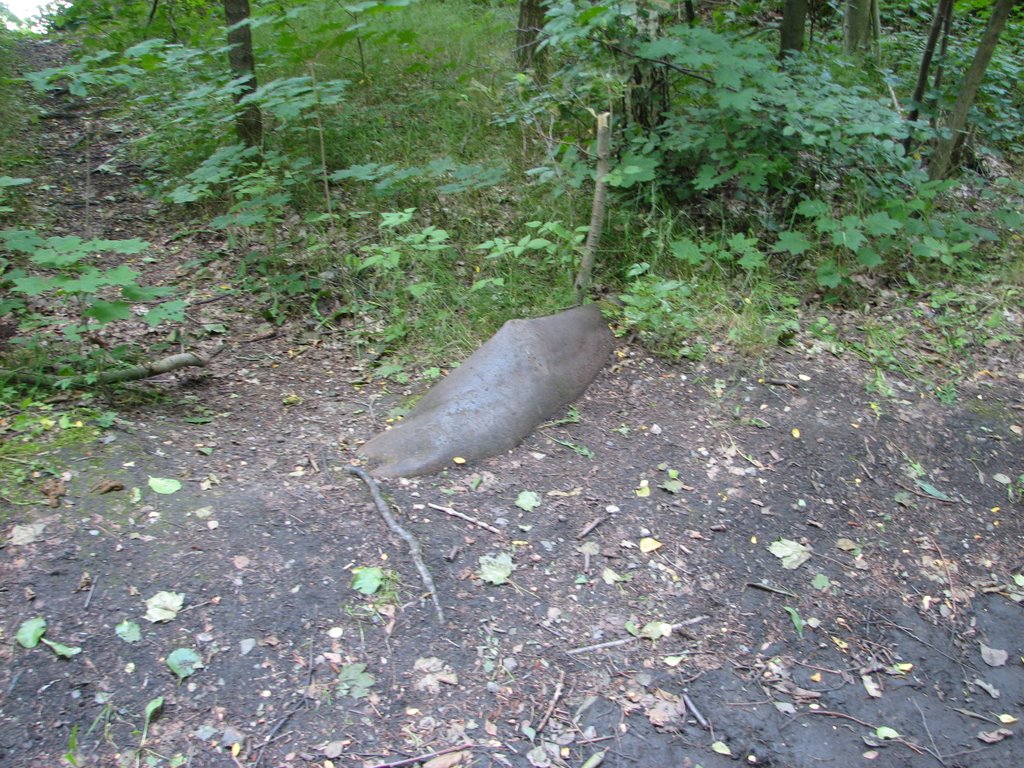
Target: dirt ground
768, 562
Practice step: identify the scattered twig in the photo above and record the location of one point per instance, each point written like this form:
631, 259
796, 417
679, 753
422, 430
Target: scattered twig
554, 700
586, 529
782, 383
769, 588
88, 597
414, 546
632, 638
842, 715
924, 721
272, 736
692, 708
467, 518
423, 758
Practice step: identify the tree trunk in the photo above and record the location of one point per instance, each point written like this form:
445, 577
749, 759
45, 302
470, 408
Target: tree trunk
859, 25
942, 13
249, 119
531, 22
691, 15
794, 20
942, 157
647, 92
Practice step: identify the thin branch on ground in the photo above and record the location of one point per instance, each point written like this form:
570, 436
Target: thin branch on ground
467, 518
136, 372
632, 638
423, 758
415, 551
554, 701
291, 710
695, 712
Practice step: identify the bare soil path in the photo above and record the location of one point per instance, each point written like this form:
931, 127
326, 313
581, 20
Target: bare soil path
897, 641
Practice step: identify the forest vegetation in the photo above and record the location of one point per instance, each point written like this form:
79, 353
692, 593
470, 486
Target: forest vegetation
412, 174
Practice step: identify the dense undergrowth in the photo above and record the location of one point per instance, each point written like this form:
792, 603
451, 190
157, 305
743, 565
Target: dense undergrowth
415, 190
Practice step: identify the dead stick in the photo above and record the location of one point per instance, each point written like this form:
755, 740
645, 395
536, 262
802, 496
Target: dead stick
695, 712
586, 529
633, 639
88, 597
554, 700
142, 371
414, 546
425, 757
909, 744
467, 518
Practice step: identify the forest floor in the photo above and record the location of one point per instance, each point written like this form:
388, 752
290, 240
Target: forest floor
819, 567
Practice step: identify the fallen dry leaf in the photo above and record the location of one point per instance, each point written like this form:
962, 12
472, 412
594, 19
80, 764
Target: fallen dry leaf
994, 657
446, 761
433, 671
994, 737
107, 486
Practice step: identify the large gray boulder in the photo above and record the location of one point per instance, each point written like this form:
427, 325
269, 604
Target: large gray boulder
522, 375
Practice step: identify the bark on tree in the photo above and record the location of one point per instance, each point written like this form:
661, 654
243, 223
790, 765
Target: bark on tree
249, 119
794, 21
942, 12
531, 21
647, 92
942, 157
860, 28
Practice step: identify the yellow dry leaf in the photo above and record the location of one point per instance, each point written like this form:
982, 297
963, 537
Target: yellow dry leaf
643, 490
648, 544
840, 644
1007, 719
816, 677
236, 748
458, 460
796, 433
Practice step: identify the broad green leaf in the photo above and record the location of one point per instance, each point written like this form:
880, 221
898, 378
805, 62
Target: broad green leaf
794, 616
108, 311
821, 582
885, 732
496, 569
367, 580
184, 662
792, 242
12, 181
30, 632
64, 651
687, 251
128, 631
721, 748
168, 311
164, 485
528, 500
355, 681
932, 491
153, 708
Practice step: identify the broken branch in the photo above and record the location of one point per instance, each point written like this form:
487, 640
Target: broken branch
136, 372
414, 546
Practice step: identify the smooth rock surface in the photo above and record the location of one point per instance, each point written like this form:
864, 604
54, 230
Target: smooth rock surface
522, 375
